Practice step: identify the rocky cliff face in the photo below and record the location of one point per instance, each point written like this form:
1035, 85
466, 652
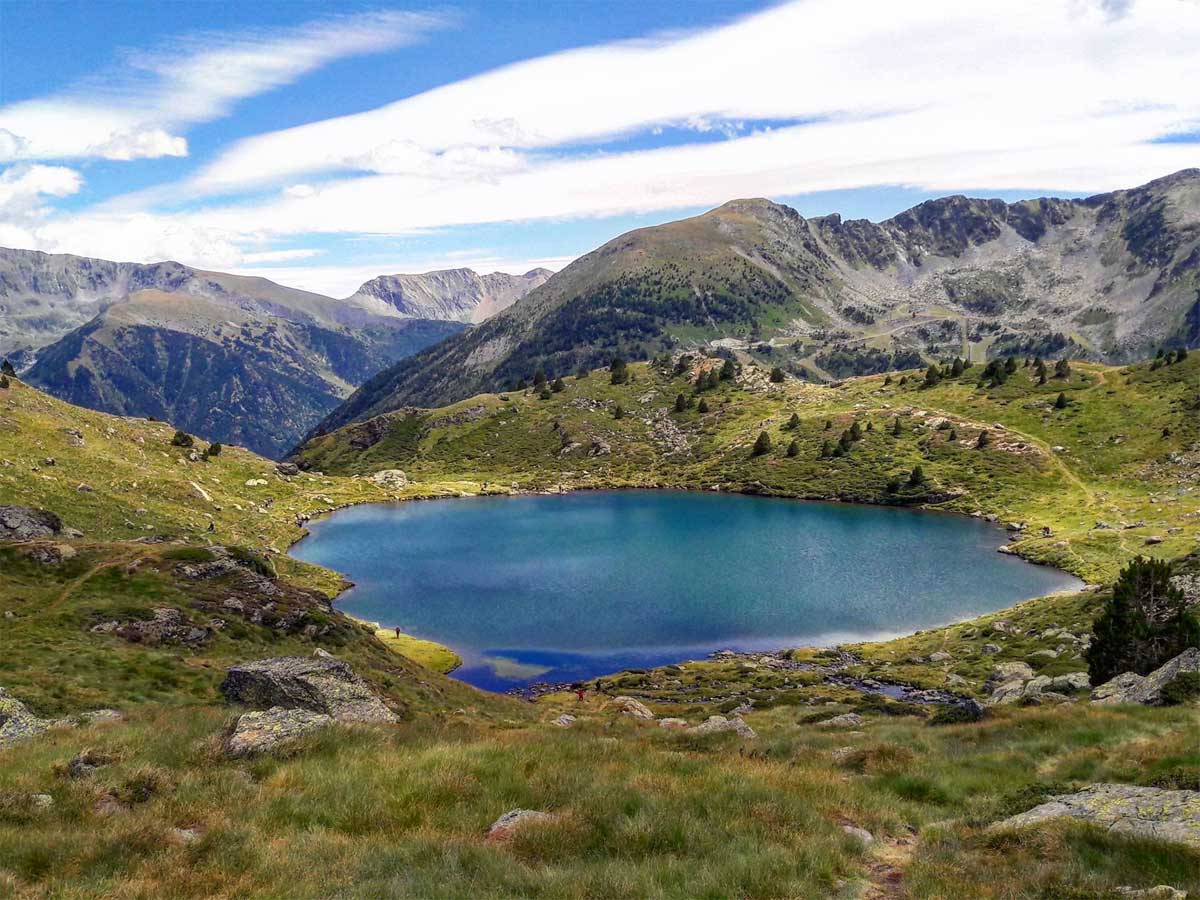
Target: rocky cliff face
456, 295
1112, 277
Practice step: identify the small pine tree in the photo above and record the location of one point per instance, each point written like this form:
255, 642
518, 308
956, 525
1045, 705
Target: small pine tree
896, 427
1062, 369
828, 424
777, 375
618, 412
6, 368
728, 370
558, 386
1061, 401
956, 368
952, 436
916, 478
702, 406
903, 380
4, 382
762, 444
826, 450
870, 426
522, 384
182, 439
793, 448
855, 432
1181, 354
893, 484
539, 378
1145, 623
983, 440
793, 422
887, 380
680, 403
544, 394
214, 449
619, 370
1010, 365
932, 376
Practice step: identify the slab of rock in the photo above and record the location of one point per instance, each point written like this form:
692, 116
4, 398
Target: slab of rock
846, 720
717, 724
390, 478
671, 723
17, 723
321, 684
1006, 672
633, 707
566, 720
24, 523
168, 626
261, 731
1158, 892
861, 833
505, 826
287, 468
1147, 689
1145, 812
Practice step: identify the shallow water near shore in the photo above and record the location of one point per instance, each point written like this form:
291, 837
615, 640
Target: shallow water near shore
567, 587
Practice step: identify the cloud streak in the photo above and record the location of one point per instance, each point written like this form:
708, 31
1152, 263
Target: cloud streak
137, 112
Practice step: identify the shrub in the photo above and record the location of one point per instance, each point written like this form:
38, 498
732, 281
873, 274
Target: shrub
182, 439
544, 394
619, 371
777, 375
728, 370
1183, 688
214, 449
3, 382
6, 368
1144, 623
703, 406
793, 448
793, 422
558, 386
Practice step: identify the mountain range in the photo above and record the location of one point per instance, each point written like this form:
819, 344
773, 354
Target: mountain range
1111, 277
232, 358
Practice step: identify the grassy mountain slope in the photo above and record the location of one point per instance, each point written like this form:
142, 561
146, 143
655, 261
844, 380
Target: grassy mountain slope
403, 810
1112, 278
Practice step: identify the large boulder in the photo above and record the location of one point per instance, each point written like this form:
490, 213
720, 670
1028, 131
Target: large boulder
16, 721
719, 724
261, 731
24, 523
1127, 809
1147, 689
513, 820
322, 684
390, 479
631, 706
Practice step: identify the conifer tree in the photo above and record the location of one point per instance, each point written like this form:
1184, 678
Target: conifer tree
728, 370
618, 412
619, 371
777, 375
983, 440
1061, 401
793, 448
6, 368
680, 403
896, 427
762, 444
932, 376
703, 406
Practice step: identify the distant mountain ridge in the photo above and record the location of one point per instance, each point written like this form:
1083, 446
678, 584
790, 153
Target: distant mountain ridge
1111, 277
455, 295
232, 358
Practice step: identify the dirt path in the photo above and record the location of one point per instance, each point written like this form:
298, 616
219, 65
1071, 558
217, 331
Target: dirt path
885, 870
124, 558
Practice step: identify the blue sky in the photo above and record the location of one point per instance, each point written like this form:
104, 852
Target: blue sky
323, 143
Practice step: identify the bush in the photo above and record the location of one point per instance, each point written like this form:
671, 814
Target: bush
793, 448
214, 449
1144, 624
6, 368
182, 439
1183, 688
957, 714
777, 375
619, 371
702, 406
253, 560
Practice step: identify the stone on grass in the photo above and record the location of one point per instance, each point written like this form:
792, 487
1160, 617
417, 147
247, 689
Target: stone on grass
845, 720
86, 762
566, 720
633, 707
1158, 892
320, 684
1144, 812
672, 723
507, 825
1146, 689
17, 723
718, 724
24, 523
390, 478
940, 656
861, 833
261, 731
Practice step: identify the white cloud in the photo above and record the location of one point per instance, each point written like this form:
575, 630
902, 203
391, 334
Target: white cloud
136, 112
1054, 95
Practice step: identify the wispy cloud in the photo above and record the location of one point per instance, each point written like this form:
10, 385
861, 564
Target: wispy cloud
140, 109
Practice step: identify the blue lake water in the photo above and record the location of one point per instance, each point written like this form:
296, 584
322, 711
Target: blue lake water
560, 588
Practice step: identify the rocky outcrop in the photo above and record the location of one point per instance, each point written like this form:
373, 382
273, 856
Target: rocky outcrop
846, 720
321, 684
1144, 812
1146, 689
263, 731
16, 721
390, 479
24, 523
1014, 682
167, 626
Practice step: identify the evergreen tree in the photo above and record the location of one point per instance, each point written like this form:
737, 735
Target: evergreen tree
703, 406
828, 424
522, 384
558, 386
544, 394
793, 448
4, 382
728, 370
539, 378
1061, 402
932, 376
855, 432
214, 449
1062, 369
777, 375
182, 439
762, 444
952, 436
1010, 365
870, 426
903, 380
793, 422
6, 368
826, 449
956, 368
618, 412
680, 403
983, 440
619, 371
1181, 354
887, 380
893, 484
1145, 623
917, 477
896, 427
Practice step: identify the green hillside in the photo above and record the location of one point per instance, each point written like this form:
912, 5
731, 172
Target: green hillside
634, 809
